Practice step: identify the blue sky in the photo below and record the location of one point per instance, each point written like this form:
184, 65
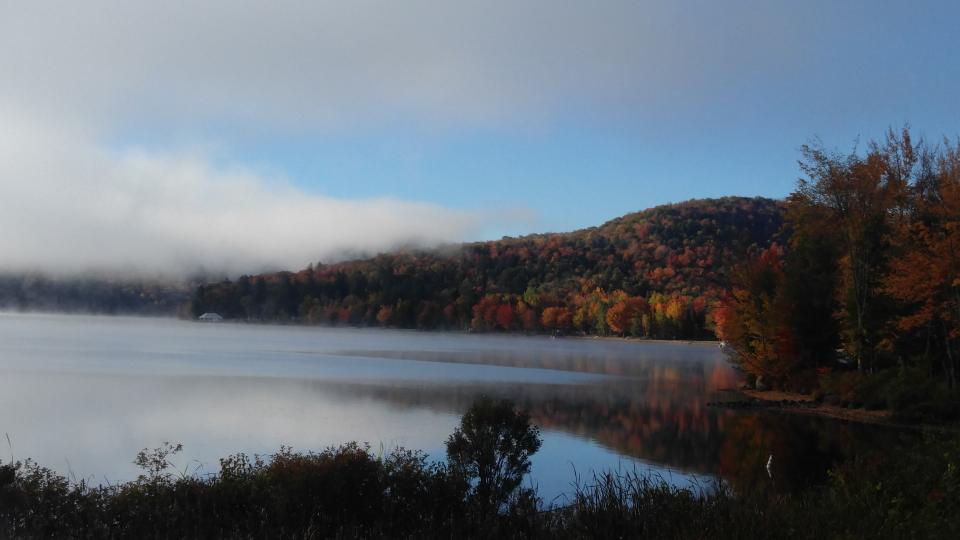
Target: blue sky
853, 70
367, 124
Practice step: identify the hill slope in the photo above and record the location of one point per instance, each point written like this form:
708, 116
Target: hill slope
652, 273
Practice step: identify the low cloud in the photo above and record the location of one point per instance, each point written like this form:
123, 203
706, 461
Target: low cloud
340, 66
69, 205
76, 74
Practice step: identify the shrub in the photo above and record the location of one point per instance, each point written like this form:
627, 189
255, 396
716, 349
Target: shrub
348, 492
491, 450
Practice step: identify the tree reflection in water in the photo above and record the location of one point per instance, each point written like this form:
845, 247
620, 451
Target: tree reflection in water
655, 412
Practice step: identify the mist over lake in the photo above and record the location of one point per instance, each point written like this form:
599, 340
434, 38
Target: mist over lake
83, 394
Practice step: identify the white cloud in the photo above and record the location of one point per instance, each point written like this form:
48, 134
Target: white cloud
68, 205
76, 74
323, 65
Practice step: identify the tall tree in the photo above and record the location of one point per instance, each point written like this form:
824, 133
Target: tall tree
861, 197
926, 277
810, 283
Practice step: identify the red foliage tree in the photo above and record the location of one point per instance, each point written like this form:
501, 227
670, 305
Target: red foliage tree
505, 317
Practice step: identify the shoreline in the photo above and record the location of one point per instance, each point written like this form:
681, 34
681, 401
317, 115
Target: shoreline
299, 324
804, 404
700, 342
546, 335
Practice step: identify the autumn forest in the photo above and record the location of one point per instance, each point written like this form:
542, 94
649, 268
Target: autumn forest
656, 274
866, 274
858, 270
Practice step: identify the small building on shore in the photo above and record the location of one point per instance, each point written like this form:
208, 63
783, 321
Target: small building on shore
210, 317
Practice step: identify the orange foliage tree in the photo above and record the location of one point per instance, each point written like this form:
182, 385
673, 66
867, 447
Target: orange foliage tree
926, 277
752, 320
485, 313
384, 315
556, 319
625, 316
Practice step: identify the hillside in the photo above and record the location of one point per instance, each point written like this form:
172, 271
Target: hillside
652, 273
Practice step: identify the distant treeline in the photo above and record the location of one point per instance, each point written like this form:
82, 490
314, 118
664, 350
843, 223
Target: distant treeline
649, 274
91, 294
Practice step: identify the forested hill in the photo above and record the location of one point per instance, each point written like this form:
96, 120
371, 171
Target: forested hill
652, 273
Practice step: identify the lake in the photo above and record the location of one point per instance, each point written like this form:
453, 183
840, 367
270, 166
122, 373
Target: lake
83, 394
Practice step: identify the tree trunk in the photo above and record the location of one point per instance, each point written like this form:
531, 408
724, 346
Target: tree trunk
951, 368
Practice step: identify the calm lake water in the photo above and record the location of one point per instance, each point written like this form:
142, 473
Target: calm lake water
83, 394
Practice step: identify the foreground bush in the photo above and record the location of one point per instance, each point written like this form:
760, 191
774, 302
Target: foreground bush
916, 495
343, 491
349, 492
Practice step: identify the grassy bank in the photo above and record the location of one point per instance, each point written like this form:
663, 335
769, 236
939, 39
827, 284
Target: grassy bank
348, 492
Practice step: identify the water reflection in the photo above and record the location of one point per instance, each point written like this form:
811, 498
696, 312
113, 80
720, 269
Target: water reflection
627, 418
83, 394
803, 449
605, 357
